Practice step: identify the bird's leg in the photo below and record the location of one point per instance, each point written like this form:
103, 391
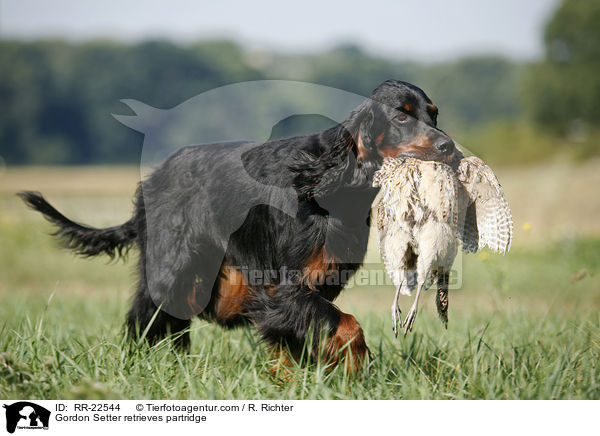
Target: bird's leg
396, 311
441, 298
412, 314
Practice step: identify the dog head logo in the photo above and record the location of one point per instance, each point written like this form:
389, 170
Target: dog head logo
26, 415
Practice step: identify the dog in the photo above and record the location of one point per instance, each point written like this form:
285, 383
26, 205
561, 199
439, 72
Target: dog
199, 249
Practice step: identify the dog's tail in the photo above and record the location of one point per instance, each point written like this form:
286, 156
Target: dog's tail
85, 241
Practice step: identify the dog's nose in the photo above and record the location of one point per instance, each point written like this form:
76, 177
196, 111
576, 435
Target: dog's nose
445, 146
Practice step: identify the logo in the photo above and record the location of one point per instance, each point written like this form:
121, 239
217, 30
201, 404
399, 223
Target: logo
26, 415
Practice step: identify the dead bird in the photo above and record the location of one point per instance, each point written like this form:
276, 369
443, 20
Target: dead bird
426, 207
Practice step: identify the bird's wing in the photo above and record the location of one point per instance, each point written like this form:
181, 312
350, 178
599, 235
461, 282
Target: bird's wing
467, 225
485, 215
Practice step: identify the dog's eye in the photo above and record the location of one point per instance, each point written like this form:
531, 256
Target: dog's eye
402, 117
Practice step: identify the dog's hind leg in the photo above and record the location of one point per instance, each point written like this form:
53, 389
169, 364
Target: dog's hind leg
145, 318
172, 290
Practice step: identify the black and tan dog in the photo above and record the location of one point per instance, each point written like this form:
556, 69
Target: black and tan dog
191, 264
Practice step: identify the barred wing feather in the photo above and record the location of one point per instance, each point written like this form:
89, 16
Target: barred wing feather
487, 217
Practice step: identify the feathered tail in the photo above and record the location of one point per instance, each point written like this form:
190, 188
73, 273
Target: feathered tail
85, 241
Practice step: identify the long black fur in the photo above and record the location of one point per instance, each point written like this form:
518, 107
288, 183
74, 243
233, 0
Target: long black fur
184, 240
85, 241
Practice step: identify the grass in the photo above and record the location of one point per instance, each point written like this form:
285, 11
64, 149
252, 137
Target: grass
523, 326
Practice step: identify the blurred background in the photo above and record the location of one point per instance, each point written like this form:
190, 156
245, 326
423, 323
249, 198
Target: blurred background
517, 83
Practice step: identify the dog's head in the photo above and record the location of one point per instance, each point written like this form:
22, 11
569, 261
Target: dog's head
399, 120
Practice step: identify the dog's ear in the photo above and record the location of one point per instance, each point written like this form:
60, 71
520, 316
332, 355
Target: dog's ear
365, 125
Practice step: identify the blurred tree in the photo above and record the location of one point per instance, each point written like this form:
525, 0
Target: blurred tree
57, 97
563, 91
474, 91
348, 67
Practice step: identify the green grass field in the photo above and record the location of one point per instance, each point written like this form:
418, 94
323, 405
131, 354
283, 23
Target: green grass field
526, 325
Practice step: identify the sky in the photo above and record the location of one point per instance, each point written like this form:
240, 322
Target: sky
427, 30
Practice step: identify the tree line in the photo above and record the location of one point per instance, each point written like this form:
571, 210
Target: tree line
57, 96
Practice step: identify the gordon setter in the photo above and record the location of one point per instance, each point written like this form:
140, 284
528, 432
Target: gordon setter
207, 237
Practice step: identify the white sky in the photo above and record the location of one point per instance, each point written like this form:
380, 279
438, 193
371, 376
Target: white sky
421, 30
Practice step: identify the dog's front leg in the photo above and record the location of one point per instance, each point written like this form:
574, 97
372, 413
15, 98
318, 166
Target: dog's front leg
294, 316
